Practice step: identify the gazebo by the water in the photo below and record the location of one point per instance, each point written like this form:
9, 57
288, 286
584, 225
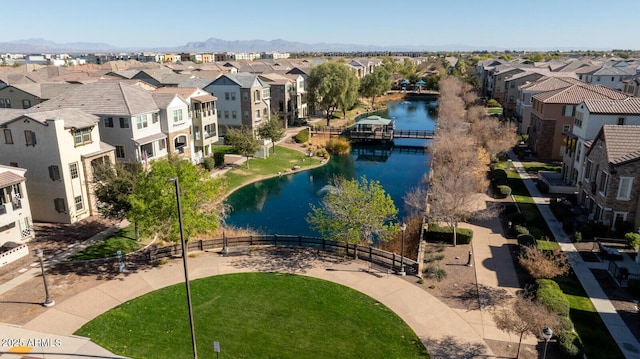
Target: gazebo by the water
373, 128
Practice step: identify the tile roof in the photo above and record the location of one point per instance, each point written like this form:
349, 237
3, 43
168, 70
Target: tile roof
45, 91
8, 178
579, 92
72, 118
104, 98
549, 84
622, 143
627, 106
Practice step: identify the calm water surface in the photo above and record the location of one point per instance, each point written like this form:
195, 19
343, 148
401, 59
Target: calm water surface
280, 205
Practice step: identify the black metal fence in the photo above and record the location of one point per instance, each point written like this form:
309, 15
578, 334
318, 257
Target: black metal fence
230, 245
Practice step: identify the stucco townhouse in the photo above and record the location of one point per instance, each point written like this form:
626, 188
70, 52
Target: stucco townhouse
59, 149
22, 96
15, 215
243, 100
590, 116
553, 114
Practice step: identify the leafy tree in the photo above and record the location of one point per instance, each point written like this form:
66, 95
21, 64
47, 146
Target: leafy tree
332, 86
543, 264
113, 185
461, 67
408, 67
242, 141
375, 84
355, 212
153, 201
272, 130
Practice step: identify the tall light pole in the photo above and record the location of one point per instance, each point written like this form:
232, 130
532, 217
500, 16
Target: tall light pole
546, 334
48, 302
403, 227
186, 271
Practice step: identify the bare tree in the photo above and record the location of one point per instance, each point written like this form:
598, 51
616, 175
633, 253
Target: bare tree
544, 264
525, 316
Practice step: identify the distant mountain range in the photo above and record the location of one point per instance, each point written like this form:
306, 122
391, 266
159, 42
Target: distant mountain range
38, 46
217, 45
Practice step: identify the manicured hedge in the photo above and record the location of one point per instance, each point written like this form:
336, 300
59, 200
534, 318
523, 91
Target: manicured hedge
445, 234
570, 344
302, 136
550, 294
504, 190
499, 177
218, 159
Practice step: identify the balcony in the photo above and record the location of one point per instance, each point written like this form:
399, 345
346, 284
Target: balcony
16, 204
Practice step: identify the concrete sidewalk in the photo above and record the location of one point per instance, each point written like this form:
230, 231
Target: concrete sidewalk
432, 320
617, 327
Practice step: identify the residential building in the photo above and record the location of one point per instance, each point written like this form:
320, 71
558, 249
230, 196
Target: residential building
243, 100
590, 116
630, 86
610, 189
129, 117
27, 95
608, 76
175, 121
15, 211
204, 116
497, 79
524, 102
287, 97
553, 114
59, 149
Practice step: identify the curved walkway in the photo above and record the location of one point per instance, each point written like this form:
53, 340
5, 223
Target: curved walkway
434, 322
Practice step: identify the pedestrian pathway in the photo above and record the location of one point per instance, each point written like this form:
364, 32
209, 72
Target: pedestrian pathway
614, 323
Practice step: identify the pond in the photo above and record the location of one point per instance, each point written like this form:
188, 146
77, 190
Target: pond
280, 205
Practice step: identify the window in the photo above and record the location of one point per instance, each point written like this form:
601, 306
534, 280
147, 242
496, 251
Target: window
281, 106
54, 173
141, 122
257, 114
119, 151
59, 205
13, 164
108, 122
8, 138
26, 103
568, 110
245, 96
162, 144
73, 168
177, 115
30, 138
124, 122
1, 103
233, 96
234, 114
226, 114
155, 117
620, 121
78, 201
618, 219
227, 96
256, 96
566, 128
602, 186
624, 188
5, 103
82, 136
246, 115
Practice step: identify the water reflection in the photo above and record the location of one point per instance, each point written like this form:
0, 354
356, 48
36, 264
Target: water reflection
280, 204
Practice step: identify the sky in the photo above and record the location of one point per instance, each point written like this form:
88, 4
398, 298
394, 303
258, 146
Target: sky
513, 25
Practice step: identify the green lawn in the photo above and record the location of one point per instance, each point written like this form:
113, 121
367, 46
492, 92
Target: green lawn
596, 338
539, 166
123, 240
256, 315
282, 161
494, 110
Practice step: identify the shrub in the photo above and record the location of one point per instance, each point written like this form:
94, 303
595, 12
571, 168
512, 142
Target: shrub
218, 159
499, 177
520, 229
208, 163
526, 240
445, 234
550, 294
436, 272
338, 146
633, 239
302, 136
504, 190
570, 344
577, 236
433, 257
493, 103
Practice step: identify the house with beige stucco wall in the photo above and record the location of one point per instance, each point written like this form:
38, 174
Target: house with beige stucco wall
59, 149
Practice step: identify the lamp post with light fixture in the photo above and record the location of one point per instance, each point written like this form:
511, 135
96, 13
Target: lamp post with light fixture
48, 302
403, 227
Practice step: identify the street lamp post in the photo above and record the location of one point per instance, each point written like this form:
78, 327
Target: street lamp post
184, 262
48, 302
403, 227
546, 334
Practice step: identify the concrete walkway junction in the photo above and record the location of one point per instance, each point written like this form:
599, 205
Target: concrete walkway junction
446, 332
